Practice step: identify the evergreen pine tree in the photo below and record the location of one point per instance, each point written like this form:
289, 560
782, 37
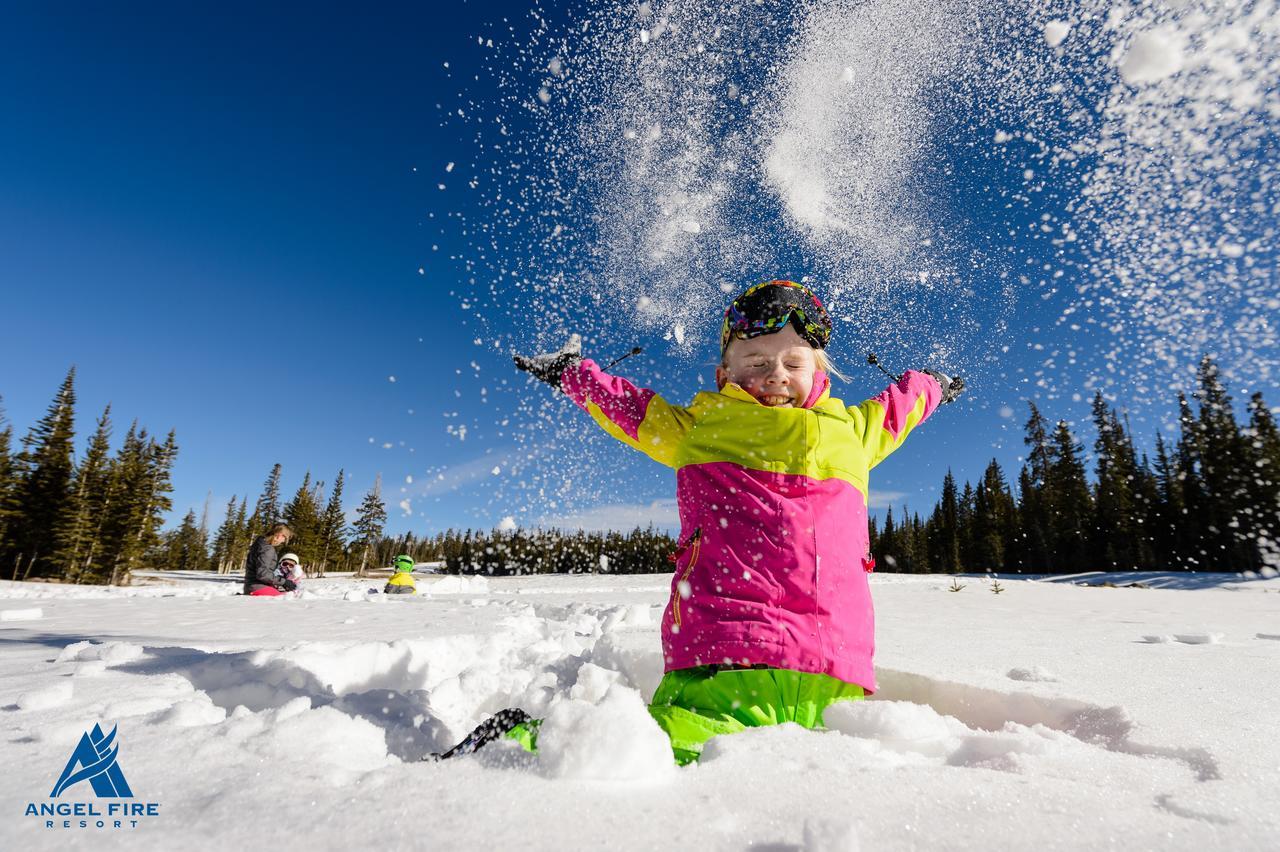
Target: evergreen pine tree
243, 539
888, 551
370, 518
964, 526
992, 520
1033, 551
267, 510
45, 467
187, 547
303, 517
944, 550
1264, 444
1192, 527
8, 482
1169, 533
1225, 474
90, 492
224, 540
333, 527
1115, 533
140, 491
1070, 502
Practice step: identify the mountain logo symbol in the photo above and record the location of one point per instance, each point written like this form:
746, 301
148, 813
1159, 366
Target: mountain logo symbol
95, 760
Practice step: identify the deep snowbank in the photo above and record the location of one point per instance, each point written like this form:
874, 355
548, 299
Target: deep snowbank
1038, 717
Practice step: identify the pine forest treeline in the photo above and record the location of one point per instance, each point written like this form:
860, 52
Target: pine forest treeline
1209, 500
91, 521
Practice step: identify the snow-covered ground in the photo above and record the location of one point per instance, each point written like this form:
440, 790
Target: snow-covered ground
1050, 716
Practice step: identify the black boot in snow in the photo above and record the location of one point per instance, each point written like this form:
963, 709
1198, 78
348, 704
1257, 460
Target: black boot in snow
486, 732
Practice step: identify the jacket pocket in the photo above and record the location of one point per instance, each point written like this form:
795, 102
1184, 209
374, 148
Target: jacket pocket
680, 589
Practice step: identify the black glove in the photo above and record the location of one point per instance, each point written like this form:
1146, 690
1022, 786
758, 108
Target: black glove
952, 386
549, 366
289, 585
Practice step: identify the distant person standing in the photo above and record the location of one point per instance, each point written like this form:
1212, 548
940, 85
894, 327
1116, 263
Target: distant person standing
260, 577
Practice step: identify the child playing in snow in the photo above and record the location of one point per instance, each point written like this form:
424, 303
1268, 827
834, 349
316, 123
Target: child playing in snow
401, 582
770, 617
289, 574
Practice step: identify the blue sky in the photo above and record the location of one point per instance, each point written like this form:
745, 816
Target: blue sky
229, 219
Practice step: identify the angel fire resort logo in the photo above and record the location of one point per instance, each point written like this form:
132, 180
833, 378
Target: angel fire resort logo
95, 760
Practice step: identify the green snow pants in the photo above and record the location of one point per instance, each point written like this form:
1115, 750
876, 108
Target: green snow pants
694, 705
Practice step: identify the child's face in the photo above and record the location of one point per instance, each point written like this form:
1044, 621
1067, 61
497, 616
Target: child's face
777, 369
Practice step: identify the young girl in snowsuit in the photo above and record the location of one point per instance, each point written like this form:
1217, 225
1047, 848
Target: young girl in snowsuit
770, 617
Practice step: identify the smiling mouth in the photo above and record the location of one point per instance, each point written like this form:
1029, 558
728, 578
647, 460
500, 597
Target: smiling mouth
775, 400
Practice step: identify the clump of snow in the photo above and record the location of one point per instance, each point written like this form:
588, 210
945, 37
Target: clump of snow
1199, 638
54, 695
1055, 32
920, 732
593, 683
1034, 674
614, 740
191, 713
32, 614
461, 584
110, 653
1154, 55
895, 725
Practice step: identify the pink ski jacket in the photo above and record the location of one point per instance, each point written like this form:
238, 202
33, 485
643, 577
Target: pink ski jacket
772, 563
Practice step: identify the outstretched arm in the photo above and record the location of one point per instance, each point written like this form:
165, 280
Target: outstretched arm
885, 420
636, 416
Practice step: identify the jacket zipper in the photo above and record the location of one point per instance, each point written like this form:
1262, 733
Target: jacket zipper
693, 546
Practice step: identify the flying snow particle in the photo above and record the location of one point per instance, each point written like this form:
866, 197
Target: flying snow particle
391, 379
1153, 55
1002, 137
496, 470
1055, 32
507, 524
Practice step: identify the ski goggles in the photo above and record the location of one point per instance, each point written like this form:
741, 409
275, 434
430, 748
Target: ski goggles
768, 307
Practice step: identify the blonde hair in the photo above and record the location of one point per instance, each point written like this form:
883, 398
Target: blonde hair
823, 362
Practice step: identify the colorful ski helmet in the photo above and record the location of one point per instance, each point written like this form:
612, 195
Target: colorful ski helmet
768, 307
404, 563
